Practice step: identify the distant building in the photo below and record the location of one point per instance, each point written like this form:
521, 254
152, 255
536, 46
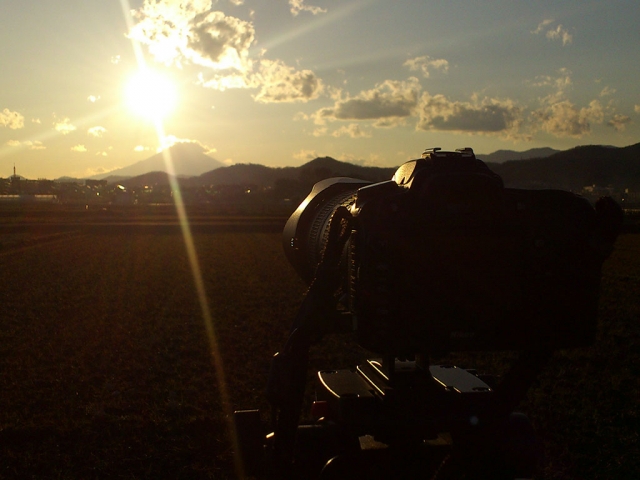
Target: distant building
16, 183
95, 183
17, 198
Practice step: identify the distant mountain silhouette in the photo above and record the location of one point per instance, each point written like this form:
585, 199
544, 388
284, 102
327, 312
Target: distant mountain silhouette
576, 168
501, 156
571, 170
311, 172
189, 159
245, 174
68, 180
151, 178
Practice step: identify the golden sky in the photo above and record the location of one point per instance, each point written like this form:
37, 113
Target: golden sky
89, 86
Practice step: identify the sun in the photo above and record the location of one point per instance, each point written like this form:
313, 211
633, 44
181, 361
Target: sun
151, 95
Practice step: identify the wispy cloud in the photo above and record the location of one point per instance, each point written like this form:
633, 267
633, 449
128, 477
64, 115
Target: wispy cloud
97, 131
561, 117
31, 145
10, 119
557, 33
561, 83
171, 140
564, 119
64, 126
425, 64
79, 148
352, 130
607, 91
619, 122
305, 155
298, 6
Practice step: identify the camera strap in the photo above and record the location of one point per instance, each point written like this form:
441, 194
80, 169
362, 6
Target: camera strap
288, 373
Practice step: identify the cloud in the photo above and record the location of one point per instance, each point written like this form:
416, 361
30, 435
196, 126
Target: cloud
12, 120
79, 148
619, 122
281, 83
31, 145
171, 140
96, 131
606, 91
64, 126
303, 155
320, 131
389, 99
564, 119
140, 148
560, 85
352, 130
426, 63
188, 32
36, 120
298, 6
35, 145
93, 98
557, 33
390, 122
487, 116
374, 160
560, 33
115, 59
236, 2
542, 25
226, 81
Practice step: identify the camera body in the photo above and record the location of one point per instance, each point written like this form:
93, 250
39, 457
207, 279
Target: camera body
444, 258
440, 258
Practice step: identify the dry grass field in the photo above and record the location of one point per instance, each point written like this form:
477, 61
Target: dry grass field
106, 370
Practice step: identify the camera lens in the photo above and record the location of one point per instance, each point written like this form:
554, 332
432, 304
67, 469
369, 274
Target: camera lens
305, 233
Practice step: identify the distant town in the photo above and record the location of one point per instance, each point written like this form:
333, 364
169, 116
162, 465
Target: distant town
102, 194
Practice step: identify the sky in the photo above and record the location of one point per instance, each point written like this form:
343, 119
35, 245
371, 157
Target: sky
90, 86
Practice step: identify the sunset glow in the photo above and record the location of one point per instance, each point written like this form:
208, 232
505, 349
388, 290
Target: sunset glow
362, 81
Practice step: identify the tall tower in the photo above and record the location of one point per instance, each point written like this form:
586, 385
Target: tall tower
15, 182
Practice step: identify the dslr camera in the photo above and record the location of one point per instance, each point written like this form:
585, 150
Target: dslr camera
441, 258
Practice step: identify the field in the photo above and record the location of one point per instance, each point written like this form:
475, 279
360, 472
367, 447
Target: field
108, 369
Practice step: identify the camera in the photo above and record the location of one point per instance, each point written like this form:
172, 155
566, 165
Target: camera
444, 258
441, 258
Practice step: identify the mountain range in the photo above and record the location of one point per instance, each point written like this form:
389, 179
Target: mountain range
189, 159
501, 156
618, 167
